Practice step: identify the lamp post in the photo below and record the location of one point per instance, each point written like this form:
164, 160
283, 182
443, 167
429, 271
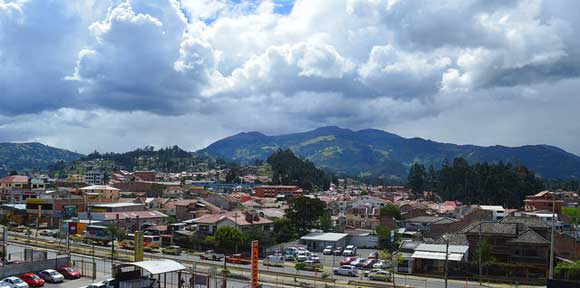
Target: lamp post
446, 258
551, 272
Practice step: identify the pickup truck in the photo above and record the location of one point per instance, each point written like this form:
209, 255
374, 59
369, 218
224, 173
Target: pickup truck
238, 259
212, 255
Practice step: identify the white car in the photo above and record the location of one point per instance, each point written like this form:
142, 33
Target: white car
14, 282
350, 250
314, 258
103, 284
345, 270
4, 285
50, 275
382, 264
302, 256
327, 250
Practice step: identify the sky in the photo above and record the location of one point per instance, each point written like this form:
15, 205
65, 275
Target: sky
112, 75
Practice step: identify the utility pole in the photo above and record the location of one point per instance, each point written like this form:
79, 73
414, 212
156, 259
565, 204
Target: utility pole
551, 272
446, 258
480, 252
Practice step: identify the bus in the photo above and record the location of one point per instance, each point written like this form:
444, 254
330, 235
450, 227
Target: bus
96, 234
150, 242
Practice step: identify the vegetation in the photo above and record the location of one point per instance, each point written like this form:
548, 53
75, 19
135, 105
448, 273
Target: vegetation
287, 169
390, 210
303, 214
228, 239
31, 157
482, 183
567, 271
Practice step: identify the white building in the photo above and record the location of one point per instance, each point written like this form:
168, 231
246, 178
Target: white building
94, 177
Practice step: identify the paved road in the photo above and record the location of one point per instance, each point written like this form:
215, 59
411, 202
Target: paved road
276, 275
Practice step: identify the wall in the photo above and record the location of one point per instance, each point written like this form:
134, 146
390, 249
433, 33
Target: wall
363, 241
36, 266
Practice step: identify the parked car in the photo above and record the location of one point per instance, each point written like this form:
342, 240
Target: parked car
108, 283
32, 280
50, 275
358, 262
302, 256
382, 264
327, 250
289, 256
309, 265
369, 263
367, 272
212, 255
69, 272
4, 285
314, 258
374, 255
380, 275
14, 282
345, 270
337, 251
48, 233
347, 260
174, 250
274, 260
350, 250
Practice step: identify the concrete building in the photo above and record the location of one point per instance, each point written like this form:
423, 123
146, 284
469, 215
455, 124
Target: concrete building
101, 192
243, 220
274, 191
316, 241
94, 177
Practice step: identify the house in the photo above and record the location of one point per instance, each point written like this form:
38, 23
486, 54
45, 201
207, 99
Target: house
246, 221
511, 244
363, 217
274, 191
101, 192
13, 183
430, 258
423, 223
543, 201
194, 208
94, 177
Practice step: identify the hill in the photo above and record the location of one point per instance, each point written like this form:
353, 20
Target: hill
376, 153
31, 156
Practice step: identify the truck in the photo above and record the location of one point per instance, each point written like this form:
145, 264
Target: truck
238, 259
212, 255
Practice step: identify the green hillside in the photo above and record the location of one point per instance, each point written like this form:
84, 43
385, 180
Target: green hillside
31, 157
378, 153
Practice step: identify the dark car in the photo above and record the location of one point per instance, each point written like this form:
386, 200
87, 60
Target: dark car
337, 251
69, 272
369, 263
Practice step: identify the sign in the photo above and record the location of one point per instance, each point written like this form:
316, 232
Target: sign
34, 201
69, 211
138, 246
255, 252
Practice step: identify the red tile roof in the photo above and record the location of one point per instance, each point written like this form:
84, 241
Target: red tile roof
14, 179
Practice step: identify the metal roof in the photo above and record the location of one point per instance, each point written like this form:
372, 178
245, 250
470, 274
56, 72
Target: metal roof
437, 256
157, 266
327, 237
459, 249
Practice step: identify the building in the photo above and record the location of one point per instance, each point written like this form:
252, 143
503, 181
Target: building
191, 209
101, 192
363, 217
543, 201
145, 176
116, 207
246, 221
94, 177
317, 241
76, 178
430, 258
274, 191
14, 182
130, 220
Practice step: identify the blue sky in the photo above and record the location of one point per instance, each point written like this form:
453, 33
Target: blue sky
120, 74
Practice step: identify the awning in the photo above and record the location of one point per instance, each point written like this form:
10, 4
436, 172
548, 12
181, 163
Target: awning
157, 266
437, 256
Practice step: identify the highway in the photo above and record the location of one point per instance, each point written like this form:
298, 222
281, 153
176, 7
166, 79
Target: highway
276, 276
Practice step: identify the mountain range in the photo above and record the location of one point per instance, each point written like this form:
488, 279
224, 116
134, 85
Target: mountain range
31, 156
376, 153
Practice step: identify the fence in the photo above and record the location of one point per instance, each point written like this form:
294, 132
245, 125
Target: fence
34, 266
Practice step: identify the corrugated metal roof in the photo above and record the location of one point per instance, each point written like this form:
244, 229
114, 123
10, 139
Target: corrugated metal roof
328, 237
437, 256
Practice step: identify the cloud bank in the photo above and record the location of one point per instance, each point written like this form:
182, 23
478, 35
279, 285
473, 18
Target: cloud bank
115, 75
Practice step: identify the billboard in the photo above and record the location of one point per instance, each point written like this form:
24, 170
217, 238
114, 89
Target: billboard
69, 211
255, 253
138, 246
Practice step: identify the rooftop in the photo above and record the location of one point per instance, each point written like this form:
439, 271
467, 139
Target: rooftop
100, 187
325, 237
115, 205
14, 179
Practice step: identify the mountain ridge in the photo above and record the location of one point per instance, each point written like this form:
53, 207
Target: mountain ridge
31, 156
383, 154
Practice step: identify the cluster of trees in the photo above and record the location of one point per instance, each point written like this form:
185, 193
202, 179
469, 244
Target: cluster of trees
384, 233
481, 183
287, 169
168, 159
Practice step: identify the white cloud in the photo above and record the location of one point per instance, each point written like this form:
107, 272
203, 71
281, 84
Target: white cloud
379, 63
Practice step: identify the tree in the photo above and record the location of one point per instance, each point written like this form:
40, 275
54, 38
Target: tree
390, 210
228, 238
233, 175
325, 222
283, 230
416, 178
287, 169
304, 213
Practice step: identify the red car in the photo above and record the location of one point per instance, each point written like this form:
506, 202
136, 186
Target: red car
69, 272
32, 280
347, 260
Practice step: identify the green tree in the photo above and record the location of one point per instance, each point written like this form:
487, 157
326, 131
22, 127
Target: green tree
304, 213
416, 178
325, 222
228, 238
287, 169
283, 230
233, 175
391, 210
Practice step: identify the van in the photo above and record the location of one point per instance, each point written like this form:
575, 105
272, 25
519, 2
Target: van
274, 260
